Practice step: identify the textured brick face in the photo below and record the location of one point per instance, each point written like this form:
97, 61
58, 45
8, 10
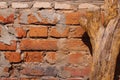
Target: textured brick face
72, 18
38, 32
32, 44
53, 32
33, 56
76, 32
13, 56
43, 40
8, 47
20, 32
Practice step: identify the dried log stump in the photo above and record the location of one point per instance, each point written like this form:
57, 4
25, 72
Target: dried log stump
105, 39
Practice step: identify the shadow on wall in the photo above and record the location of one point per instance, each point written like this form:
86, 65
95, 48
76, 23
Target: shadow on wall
117, 71
86, 40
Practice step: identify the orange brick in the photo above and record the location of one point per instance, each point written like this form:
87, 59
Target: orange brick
36, 44
20, 32
73, 45
50, 78
78, 72
8, 79
72, 18
74, 78
33, 56
76, 32
41, 17
13, 56
2, 18
32, 70
32, 19
7, 19
75, 58
28, 79
51, 57
38, 31
8, 47
53, 32
0, 31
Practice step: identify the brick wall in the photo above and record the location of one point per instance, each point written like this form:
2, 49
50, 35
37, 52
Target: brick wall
42, 40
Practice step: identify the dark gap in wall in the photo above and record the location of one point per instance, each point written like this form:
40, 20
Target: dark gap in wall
86, 40
117, 69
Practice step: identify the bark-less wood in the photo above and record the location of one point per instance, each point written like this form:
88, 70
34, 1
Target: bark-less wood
105, 39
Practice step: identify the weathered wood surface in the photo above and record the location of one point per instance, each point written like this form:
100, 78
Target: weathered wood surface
105, 39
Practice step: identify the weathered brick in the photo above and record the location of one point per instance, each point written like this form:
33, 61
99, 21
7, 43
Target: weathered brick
8, 79
51, 71
13, 56
51, 57
62, 6
75, 58
38, 31
72, 18
42, 5
33, 56
19, 5
53, 32
75, 78
32, 44
29, 79
7, 18
32, 70
78, 72
88, 6
76, 32
3, 5
0, 31
41, 17
50, 78
20, 32
72, 45
8, 47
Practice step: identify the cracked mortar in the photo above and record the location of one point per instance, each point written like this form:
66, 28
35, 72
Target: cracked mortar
50, 15
7, 34
3, 64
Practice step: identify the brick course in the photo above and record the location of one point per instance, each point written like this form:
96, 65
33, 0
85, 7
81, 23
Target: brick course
46, 40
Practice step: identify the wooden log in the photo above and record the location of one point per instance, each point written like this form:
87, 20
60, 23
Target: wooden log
105, 40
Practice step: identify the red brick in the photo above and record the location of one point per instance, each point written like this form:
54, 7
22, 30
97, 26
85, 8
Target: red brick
51, 57
73, 17
28, 79
0, 31
50, 78
53, 32
33, 20
13, 56
2, 19
7, 19
77, 72
73, 45
41, 17
38, 31
8, 47
75, 58
75, 79
33, 56
76, 32
6, 69
8, 79
37, 44
20, 32
32, 71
